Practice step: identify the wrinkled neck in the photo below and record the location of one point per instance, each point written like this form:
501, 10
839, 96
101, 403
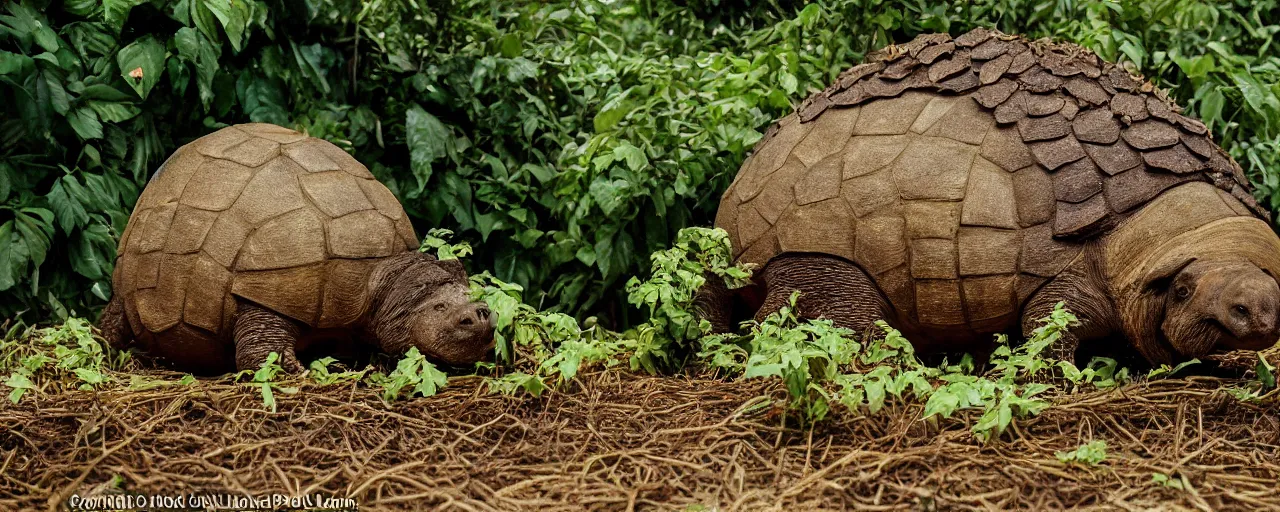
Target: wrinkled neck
384, 321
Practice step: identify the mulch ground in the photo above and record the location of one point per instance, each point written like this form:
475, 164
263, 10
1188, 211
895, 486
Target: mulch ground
621, 441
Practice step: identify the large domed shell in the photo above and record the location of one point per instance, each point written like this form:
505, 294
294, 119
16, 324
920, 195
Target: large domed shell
963, 173
259, 212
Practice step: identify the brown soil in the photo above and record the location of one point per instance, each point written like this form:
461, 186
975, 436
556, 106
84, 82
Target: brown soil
621, 441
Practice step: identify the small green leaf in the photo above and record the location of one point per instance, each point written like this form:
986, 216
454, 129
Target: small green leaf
1211, 107
20, 383
114, 112
1266, 373
268, 398
58, 95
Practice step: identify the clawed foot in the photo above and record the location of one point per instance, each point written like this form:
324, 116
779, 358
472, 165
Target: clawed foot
291, 364
288, 362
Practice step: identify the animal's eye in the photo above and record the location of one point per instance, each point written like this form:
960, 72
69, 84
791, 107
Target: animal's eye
1182, 291
1241, 310
439, 307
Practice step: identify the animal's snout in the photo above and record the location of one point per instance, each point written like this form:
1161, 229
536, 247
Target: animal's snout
1252, 311
475, 315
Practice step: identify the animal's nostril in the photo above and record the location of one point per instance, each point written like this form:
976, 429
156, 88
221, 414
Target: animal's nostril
482, 312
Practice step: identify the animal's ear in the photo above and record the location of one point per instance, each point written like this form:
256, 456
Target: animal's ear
454, 268
1159, 275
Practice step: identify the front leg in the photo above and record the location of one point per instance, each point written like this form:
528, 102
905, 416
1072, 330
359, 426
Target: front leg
113, 324
1085, 296
829, 287
259, 332
714, 302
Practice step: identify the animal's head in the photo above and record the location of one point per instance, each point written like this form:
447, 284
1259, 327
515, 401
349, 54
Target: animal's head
427, 304
1210, 304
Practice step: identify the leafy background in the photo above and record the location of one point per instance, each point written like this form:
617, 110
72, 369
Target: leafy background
565, 140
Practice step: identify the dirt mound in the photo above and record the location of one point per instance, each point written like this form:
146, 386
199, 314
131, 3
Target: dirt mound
620, 441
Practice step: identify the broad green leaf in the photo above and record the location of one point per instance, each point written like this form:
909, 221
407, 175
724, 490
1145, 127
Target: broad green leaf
763, 370
634, 156
1254, 93
875, 395
12, 63
114, 112
428, 140
942, 402
510, 44
195, 48
86, 123
57, 94
308, 60
141, 64
608, 193
93, 252
544, 174
20, 383
104, 93
115, 12
13, 256
520, 69
25, 22
68, 208
82, 8
268, 398
788, 82
611, 112
232, 15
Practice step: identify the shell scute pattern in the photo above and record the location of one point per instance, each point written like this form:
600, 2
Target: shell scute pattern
963, 173
259, 212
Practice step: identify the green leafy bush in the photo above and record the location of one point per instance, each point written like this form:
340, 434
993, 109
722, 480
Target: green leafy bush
64, 356
667, 295
565, 140
822, 364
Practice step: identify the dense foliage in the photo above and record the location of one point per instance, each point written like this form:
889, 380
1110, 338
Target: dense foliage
566, 140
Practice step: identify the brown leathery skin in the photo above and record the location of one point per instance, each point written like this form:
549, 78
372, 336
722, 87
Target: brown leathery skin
1087, 295
260, 215
113, 324
829, 287
258, 332
713, 302
968, 175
